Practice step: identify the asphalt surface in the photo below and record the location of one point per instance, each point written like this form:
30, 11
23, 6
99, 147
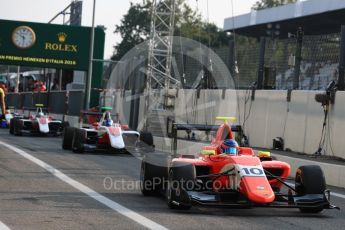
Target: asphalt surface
34, 198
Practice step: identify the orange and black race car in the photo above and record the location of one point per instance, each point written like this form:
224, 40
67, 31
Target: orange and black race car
225, 174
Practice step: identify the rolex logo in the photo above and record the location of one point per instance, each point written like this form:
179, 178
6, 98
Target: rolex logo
59, 46
62, 37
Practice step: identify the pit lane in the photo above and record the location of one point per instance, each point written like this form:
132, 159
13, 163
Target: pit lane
33, 198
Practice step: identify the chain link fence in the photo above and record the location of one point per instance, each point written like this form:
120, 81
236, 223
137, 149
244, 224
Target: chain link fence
319, 64
320, 61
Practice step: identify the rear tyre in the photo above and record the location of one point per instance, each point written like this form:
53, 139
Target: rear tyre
181, 179
153, 174
67, 139
310, 180
65, 124
147, 138
79, 139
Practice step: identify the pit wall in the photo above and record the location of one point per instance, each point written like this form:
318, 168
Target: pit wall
269, 115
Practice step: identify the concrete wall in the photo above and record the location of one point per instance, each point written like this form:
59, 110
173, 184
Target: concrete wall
337, 122
299, 122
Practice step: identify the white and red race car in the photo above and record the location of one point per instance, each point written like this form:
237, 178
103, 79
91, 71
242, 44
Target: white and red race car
37, 123
104, 134
5, 122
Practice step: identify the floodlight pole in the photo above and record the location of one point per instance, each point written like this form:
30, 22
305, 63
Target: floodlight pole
89, 75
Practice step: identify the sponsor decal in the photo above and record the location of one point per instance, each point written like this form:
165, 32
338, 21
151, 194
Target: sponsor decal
114, 131
61, 46
42, 120
253, 171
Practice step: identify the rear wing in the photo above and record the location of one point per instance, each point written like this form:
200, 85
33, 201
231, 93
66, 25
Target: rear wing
190, 127
45, 109
173, 128
38, 108
93, 116
94, 113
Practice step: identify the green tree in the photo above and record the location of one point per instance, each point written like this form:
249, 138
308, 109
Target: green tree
263, 4
135, 27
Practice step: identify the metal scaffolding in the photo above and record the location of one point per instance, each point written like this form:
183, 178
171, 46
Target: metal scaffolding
160, 46
159, 78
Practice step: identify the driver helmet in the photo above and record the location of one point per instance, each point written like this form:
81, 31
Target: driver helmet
107, 120
40, 114
230, 146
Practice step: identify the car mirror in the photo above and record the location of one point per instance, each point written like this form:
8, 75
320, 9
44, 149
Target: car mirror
208, 152
264, 154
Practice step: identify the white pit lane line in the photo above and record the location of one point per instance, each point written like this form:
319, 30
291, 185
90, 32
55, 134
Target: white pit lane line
3, 226
136, 217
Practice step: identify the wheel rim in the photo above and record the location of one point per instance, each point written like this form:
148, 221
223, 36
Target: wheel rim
299, 184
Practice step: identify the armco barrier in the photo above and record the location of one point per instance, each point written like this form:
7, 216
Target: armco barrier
58, 102
40, 98
27, 100
15, 100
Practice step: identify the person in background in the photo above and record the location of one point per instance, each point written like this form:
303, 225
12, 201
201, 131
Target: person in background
3, 91
39, 87
55, 85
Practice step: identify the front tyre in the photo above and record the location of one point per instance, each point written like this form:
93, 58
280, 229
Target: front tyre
310, 180
67, 138
153, 174
181, 179
79, 139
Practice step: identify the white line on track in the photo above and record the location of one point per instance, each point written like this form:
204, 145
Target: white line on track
88, 191
332, 193
3, 226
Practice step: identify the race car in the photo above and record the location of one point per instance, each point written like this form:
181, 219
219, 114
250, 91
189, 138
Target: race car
225, 174
104, 134
36, 123
5, 123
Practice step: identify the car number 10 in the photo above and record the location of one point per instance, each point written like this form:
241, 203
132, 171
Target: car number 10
252, 171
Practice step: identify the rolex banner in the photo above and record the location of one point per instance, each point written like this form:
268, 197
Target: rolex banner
47, 45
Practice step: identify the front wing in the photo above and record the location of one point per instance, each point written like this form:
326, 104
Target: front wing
233, 199
32, 127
